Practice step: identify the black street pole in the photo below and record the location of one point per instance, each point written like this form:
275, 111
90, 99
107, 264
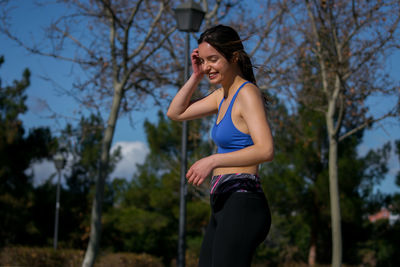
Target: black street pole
183, 187
59, 163
55, 240
189, 16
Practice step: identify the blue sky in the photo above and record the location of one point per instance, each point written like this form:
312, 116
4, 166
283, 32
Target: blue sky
28, 19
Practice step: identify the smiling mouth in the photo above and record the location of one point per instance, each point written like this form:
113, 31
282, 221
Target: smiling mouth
212, 75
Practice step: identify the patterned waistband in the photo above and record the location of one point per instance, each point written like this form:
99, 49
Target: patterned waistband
235, 182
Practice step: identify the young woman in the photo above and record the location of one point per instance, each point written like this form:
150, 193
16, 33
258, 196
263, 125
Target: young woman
240, 218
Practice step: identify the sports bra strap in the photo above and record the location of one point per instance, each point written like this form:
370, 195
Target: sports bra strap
237, 92
234, 97
220, 103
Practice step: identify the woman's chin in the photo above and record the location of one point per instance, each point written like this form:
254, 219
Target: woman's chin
214, 80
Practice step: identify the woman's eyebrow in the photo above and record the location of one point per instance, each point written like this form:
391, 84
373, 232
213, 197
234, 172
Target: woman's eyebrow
209, 57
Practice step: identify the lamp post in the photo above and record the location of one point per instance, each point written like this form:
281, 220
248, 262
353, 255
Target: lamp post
189, 17
59, 163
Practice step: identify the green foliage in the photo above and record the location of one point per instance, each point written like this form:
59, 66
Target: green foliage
84, 145
27, 212
397, 150
38, 206
382, 245
146, 210
296, 184
381, 248
12, 103
17, 152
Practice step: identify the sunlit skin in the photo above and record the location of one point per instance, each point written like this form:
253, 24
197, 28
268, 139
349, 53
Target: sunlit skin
248, 114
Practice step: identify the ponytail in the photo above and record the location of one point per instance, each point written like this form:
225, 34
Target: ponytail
245, 66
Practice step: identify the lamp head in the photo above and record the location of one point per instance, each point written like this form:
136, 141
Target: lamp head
189, 16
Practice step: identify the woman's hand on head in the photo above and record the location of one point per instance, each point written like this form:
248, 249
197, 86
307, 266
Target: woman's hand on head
196, 63
200, 170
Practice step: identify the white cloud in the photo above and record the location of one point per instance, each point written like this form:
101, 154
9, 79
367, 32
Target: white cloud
42, 170
132, 153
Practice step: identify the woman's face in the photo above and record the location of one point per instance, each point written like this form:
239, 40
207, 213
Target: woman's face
213, 63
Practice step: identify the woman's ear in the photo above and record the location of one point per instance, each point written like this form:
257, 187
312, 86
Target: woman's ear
235, 57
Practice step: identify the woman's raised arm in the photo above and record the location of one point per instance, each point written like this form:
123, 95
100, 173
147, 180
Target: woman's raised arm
181, 108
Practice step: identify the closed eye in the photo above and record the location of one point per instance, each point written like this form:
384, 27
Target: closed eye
212, 59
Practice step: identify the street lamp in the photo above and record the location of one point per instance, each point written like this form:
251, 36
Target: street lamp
189, 17
59, 163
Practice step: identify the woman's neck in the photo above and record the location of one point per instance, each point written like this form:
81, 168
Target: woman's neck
231, 85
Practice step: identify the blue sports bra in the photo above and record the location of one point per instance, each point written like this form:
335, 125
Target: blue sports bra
225, 135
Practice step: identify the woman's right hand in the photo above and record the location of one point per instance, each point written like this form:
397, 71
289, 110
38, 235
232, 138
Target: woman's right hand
196, 63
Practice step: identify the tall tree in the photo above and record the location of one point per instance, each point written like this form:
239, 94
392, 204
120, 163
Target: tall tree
146, 209
82, 142
296, 182
84, 145
17, 152
349, 41
396, 202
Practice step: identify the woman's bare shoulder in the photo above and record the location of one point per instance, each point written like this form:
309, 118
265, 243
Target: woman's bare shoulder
249, 92
218, 94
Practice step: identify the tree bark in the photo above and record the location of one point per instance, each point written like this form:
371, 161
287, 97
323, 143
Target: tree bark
335, 204
312, 252
332, 98
95, 223
334, 187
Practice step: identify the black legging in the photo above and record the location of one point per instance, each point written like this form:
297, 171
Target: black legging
239, 222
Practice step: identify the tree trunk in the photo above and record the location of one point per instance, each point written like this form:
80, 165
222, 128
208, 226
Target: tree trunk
334, 198
95, 223
312, 253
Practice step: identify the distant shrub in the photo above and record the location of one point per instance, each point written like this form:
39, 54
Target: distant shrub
191, 260
43, 257
128, 259
48, 257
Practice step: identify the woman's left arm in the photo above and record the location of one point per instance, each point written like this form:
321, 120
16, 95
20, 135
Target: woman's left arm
253, 112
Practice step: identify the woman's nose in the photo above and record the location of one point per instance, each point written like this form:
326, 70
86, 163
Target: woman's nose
206, 67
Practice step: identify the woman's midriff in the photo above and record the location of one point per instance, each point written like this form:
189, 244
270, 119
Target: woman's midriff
227, 170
